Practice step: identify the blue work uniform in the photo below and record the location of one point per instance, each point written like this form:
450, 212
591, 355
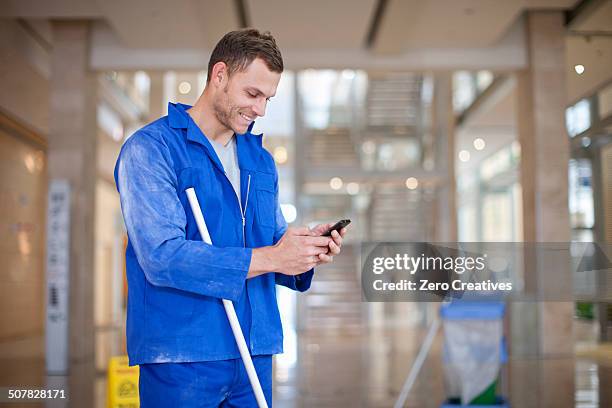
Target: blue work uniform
176, 281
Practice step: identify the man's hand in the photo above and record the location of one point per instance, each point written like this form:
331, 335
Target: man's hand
298, 251
335, 244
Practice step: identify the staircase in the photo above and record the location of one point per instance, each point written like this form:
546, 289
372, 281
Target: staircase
331, 147
400, 215
393, 101
334, 299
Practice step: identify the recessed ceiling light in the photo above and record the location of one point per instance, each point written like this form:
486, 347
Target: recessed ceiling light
335, 183
464, 156
184, 87
412, 183
579, 69
479, 144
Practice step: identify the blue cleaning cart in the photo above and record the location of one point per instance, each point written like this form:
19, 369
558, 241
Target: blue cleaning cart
474, 350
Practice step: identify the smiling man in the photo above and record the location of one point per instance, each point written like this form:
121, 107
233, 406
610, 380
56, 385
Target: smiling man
177, 329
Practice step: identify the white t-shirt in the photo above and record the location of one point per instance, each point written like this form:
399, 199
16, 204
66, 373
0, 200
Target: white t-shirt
229, 159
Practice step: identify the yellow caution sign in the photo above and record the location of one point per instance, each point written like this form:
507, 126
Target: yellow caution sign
122, 384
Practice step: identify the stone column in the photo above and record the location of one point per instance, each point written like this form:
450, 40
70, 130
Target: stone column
544, 329
72, 156
156, 96
443, 121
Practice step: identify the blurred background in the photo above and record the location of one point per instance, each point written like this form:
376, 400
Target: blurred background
466, 120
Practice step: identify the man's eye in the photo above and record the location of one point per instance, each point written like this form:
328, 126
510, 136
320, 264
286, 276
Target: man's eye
252, 95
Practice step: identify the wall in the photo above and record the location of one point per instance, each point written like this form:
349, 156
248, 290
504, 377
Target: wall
22, 233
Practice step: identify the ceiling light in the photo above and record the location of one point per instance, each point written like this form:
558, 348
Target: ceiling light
464, 156
479, 144
280, 154
412, 183
579, 69
184, 87
335, 183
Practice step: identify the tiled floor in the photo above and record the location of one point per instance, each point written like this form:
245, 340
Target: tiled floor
366, 368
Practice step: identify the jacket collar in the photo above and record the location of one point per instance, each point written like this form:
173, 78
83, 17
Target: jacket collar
248, 146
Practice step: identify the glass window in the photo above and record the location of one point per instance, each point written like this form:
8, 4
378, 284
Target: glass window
328, 97
497, 217
468, 223
497, 163
578, 117
464, 90
580, 194
483, 80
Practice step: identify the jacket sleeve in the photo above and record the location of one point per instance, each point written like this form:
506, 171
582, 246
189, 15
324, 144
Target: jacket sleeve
299, 282
155, 222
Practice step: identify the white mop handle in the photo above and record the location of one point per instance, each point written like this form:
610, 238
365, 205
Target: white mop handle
418, 363
229, 307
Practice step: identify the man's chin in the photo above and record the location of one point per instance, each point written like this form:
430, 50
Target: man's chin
239, 130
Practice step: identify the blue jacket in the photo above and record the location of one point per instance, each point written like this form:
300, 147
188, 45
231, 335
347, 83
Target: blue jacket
176, 281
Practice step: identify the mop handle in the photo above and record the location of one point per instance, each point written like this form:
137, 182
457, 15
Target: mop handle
418, 363
229, 307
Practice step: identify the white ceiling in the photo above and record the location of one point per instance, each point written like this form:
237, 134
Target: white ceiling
598, 18
164, 24
141, 23
314, 24
412, 34
338, 24
447, 24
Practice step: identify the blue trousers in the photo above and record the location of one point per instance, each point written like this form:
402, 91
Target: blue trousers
203, 384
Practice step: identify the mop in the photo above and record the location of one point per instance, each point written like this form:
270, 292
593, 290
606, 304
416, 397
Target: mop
418, 363
229, 307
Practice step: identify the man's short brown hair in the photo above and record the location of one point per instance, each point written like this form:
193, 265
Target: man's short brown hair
239, 48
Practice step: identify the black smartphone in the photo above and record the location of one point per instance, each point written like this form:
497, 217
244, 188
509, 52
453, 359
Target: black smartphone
337, 226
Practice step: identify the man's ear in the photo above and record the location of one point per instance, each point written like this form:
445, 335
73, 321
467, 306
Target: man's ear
219, 73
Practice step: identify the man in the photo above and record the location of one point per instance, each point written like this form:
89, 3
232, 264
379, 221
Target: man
177, 329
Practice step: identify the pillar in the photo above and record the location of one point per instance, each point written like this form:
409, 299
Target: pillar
72, 157
443, 121
157, 104
543, 329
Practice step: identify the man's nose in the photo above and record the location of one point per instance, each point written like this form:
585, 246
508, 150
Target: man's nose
260, 107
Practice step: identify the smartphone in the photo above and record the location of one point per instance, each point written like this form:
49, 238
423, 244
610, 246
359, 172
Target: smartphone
337, 226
